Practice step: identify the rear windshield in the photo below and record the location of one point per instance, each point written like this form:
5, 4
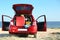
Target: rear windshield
23, 8
20, 8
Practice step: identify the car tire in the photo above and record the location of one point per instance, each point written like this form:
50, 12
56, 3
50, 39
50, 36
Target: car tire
34, 35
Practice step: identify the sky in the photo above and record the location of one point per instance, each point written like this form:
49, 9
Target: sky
50, 8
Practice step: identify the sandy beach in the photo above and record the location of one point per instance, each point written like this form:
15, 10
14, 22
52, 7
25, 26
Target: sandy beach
50, 34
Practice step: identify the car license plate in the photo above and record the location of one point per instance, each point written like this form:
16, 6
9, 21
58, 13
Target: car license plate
22, 29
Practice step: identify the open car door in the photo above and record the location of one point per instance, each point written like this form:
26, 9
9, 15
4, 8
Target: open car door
5, 24
41, 23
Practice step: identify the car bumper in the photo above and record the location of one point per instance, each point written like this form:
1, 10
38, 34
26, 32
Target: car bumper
15, 30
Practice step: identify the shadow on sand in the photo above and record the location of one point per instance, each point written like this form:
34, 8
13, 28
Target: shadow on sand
4, 35
10, 35
55, 33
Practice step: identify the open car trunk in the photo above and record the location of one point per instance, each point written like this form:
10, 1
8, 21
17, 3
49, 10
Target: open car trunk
22, 20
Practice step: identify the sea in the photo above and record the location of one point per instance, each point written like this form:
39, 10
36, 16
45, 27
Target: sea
50, 24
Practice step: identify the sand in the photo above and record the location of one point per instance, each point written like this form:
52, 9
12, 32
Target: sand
50, 34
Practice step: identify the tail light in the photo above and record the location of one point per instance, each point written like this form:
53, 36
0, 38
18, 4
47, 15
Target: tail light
11, 23
34, 23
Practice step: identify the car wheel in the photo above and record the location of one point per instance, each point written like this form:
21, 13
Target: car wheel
34, 35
